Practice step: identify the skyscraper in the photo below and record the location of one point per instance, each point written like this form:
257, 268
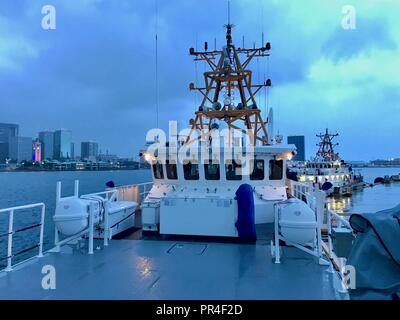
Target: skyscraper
20, 149
7, 131
72, 150
299, 142
62, 144
89, 150
46, 138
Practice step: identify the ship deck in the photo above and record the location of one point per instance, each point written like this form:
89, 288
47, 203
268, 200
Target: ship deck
151, 269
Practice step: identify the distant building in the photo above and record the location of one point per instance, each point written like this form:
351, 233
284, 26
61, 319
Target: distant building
299, 142
357, 164
46, 139
7, 131
37, 151
107, 157
3, 152
72, 150
62, 144
386, 163
20, 149
89, 150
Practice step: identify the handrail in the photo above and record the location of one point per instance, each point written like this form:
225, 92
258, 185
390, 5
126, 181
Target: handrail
141, 194
11, 212
306, 192
11, 230
106, 193
340, 218
115, 194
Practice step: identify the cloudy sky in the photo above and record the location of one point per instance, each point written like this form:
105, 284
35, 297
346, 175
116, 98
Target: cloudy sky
95, 74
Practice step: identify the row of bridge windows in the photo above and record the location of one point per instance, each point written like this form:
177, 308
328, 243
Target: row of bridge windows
212, 171
322, 166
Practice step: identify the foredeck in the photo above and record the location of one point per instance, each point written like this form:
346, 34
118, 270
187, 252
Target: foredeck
149, 269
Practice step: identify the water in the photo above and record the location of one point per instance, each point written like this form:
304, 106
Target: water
371, 199
20, 188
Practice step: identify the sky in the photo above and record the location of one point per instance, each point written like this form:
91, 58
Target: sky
95, 73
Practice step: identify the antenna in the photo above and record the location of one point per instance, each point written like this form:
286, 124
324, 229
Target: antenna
227, 76
157, 98
229, 12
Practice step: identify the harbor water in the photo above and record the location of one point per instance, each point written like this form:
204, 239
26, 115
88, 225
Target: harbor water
370, 199
20, 188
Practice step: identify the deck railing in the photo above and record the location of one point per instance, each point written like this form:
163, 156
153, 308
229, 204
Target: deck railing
134, 192
11, 211
316, 199
333, 217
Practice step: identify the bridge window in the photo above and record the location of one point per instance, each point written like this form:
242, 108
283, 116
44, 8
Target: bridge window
211, 171
275, 169
230, 170
191, 171
258, 170
158, 170
172, 173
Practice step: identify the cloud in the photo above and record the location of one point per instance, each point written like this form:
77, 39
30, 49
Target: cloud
13, 50
369, 34
95, 74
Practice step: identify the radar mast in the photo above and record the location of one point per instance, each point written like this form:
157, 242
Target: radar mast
325, 151
229, 75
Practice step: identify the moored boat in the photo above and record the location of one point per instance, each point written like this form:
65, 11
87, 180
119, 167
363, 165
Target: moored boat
327, 171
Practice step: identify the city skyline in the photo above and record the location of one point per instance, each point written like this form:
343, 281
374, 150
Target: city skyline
94, 153
96, 72
46, 145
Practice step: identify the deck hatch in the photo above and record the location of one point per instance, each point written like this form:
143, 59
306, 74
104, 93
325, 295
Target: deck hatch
187, 248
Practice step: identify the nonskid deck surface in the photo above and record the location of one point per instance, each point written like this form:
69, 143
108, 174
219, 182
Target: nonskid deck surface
146, 269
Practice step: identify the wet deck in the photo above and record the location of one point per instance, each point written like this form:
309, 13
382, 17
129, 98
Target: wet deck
147, 269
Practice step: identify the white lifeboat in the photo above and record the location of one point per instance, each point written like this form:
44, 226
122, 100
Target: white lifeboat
72, 214
297, 222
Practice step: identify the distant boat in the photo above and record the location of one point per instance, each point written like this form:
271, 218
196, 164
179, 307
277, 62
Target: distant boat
328, 171
396, 177
387, 179
379, 180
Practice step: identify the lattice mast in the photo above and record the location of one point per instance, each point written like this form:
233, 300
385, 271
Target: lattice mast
227, 76
326, 147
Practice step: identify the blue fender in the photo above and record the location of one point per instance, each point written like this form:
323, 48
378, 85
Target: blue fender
245, 223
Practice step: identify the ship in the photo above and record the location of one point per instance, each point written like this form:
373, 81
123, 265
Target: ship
328, 171
220, 219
